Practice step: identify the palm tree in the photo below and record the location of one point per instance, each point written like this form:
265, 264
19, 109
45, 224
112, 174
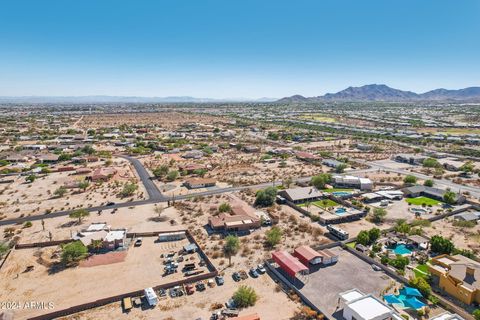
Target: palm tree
97, 245
232, 244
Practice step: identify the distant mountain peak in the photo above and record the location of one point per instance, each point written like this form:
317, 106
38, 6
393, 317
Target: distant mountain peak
382, 92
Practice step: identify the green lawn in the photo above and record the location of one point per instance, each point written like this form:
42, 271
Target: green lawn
327, 203
423, 200
421, 271
336, 190
352, 244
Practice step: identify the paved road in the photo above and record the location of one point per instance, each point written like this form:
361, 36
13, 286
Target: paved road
152, 189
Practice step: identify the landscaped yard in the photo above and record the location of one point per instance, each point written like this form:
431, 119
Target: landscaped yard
421, 271
423, 200
326, 203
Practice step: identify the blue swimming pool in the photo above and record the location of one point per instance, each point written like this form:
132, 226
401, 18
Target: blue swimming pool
341, 193
401, 249
340, 211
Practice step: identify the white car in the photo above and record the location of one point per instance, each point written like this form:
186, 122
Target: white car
261, 269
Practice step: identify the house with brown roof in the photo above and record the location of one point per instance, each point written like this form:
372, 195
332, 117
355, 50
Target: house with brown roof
195, 183
241, 218
102, 174
307, 156
458, 276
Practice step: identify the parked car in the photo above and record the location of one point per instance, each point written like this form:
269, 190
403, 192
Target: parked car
261, 269
236, 276
376, 268
230, 304
200, 286
220, 280
109, 204
138, 242
254, 273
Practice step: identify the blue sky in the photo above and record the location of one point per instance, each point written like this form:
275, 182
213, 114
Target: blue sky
228, 48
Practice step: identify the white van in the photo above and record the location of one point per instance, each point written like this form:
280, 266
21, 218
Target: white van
151, 297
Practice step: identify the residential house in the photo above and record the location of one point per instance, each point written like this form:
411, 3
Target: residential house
195, 183
352, 182
301, 195
458, 276
430, 192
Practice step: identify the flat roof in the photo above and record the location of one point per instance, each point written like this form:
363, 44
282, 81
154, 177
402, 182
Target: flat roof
115, 235
351, 295
368, 307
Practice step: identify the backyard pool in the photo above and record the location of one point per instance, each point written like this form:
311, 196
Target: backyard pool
401, 249
340, 211
341, 193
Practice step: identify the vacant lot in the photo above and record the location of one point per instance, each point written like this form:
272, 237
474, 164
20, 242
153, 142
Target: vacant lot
142, 268
325, 285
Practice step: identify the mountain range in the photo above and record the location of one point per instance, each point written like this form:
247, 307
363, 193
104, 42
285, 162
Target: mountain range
381, 92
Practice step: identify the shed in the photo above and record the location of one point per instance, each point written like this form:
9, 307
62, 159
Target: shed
307, 255
289, 263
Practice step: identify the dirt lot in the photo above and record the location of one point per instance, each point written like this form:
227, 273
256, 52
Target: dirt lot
272, 304
142, 268
140, 218
462, 237
23, 199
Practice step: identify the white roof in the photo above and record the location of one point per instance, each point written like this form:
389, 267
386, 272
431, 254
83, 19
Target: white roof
150, 293
369, 307
351, 295
115, 235
447, 316
97, 227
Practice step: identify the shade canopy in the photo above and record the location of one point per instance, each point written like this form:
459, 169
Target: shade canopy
409, 291
390, 298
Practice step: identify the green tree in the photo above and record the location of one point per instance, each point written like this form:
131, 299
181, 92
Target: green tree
83, 185
450, 197
319, 181
60, 191
128, 189
266, 197
232, 244
374, 234
431, 163
79, 214
476, 314
440, 245
172, 175
410, 179
273, 236
88, 149
245, 297
3, 248
379, 215
422, 285
400, 262
160, 171
31, 178
363, 238
467, 167
73, 252
225, 207
402, 226
340, 168
428, 183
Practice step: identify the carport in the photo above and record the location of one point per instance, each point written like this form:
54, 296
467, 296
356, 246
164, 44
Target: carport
289, 264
